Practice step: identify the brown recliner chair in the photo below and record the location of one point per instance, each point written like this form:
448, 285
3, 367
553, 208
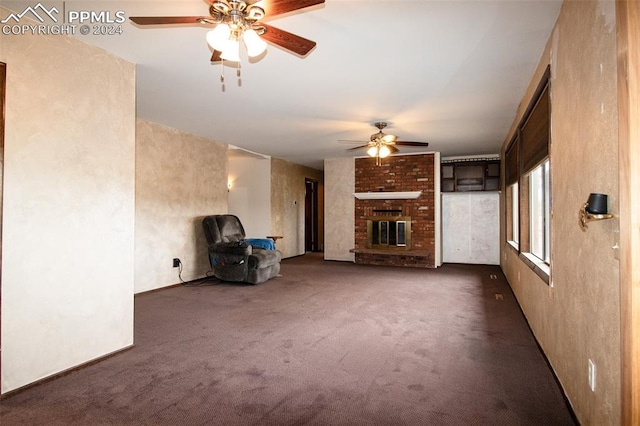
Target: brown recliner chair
233, 257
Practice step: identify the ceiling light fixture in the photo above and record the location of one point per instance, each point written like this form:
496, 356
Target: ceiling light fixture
236, 23
241, 21
381, 145
373, 151
384, 151
378, 149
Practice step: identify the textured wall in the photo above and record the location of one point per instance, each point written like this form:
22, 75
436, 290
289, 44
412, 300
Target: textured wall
67, 267
578, 318
287, 204
180, 178
250, 193
339, 207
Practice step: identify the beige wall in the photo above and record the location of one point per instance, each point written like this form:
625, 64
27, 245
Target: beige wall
68, 214
287, 204
339, 209
180, 178
250, 192
577, 318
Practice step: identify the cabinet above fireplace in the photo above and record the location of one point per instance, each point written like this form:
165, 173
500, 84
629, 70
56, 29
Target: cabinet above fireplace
474, 174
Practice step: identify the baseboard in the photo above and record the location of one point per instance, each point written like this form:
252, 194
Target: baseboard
63, 373
154, 290
190, 282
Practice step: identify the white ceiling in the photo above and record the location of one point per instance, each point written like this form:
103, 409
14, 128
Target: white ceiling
447, 72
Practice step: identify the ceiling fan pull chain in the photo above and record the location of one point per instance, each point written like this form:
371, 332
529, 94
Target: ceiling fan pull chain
222, 71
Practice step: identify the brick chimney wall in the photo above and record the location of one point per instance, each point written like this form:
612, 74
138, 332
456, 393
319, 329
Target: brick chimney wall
397, 174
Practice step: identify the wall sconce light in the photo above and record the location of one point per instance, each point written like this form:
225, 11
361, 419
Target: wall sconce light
229, 185
594, 209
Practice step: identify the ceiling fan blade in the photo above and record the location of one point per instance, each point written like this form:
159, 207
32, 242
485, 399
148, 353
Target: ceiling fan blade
350, 141
216, 56
164, 20
408, 143
357, 147
278, 7
286, 40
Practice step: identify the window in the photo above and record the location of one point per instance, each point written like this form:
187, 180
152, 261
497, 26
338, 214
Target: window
512, 194
515, 214
539, 212
527, 183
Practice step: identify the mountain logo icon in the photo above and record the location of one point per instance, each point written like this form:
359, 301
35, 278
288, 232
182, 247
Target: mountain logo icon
38, 11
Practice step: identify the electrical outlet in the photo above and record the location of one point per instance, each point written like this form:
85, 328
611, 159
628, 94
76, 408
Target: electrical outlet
592, 376
176, 262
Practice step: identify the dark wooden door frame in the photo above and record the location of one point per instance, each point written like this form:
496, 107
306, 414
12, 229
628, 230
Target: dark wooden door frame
311, 215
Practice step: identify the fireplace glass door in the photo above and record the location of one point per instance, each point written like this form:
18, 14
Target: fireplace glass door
389, 232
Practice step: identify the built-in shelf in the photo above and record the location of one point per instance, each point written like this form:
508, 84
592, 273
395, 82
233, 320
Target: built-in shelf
382, 195
473, 174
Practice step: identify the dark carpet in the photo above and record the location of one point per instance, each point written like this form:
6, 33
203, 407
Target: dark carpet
328, 343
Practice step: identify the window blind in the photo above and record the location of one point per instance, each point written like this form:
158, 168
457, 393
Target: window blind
511, 162
535, 133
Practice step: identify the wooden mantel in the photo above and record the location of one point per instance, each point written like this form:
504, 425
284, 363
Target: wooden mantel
387, 195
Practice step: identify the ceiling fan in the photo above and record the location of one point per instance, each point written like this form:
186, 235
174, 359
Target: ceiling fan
381, 144
238, 20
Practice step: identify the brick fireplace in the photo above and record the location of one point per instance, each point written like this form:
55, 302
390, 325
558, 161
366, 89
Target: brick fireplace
397, 174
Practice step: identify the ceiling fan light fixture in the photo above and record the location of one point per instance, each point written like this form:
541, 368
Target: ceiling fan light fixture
384, 151
231, 51
255, 45
219, 37
389, 138
255, 13
235, 17
382, 145
221, 6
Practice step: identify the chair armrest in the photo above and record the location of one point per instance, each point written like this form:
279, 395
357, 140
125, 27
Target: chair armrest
261, 243
239, 247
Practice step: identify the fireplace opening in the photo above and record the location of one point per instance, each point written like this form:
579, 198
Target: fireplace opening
389, 232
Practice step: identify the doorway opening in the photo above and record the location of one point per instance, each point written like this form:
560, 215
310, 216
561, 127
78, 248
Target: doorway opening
311, 215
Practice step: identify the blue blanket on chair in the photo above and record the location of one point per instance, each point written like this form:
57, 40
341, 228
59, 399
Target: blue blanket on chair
265, 243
